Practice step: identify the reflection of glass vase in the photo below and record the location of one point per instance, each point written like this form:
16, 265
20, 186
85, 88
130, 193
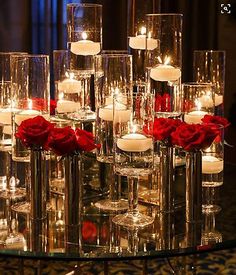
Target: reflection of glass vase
193, 186
166, 191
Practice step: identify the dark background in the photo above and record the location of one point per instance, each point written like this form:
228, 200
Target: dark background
39, 26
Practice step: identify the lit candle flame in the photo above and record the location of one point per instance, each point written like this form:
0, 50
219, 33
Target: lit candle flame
60, 96
198, 105
134, 129
167, 60
84, 35
143, 30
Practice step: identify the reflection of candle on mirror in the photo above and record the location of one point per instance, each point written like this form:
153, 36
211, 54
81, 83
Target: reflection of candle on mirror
212, 165
165, 72
85, 47
206, 100
134, 143
139, 42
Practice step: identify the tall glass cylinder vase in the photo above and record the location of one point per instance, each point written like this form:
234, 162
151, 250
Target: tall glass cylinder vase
164, 62
137, 10
38, 184
73, 202
209, 66
84, 26
194, 186
133, 147
166, 188
113, 77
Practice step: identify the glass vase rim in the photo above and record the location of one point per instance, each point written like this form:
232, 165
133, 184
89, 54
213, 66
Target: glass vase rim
165, 14
28, 55
197, 84
13, 53
65, 50
218, 125
114, 52
115, 55
88, 5
210, 51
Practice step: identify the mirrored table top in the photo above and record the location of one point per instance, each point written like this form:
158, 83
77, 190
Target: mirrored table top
98, 238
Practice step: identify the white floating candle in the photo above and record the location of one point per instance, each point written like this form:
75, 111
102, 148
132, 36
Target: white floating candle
134, 143
122, 114
6, 115
212, 165
26, 114
194, 117
165, 73
69, 86
218, 100
85, 47
206, 101
139, 42
67, 106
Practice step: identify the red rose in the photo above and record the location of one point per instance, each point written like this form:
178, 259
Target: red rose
89, 231
34, 131
216, 120
163, 127
53, 106
85, 140
62, 141
193, 136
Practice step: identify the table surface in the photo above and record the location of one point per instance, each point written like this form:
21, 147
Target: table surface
98, 238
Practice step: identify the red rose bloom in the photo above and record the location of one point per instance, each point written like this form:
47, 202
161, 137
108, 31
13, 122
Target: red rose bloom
163, 127
89, 231
193, 136
34, 131
62, 141
53, 106
216, 120
85, 140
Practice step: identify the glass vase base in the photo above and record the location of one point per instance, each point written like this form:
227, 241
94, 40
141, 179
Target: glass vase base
149, 196
210, 208
24, 207
19, 193
108, 205
130, 220
15, 240
83, 115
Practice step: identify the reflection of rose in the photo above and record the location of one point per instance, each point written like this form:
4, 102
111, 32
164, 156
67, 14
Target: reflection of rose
188, 105
163, 103
104, 231
34, 131
62, 141
163, 127
89, 231
216, 120
85, 140
193, 136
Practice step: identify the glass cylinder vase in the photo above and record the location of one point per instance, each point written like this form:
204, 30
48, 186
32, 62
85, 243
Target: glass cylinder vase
164, 62
38, 192
193, 186
166, 187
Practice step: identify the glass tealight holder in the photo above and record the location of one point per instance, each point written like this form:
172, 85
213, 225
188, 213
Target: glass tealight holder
213, 169
113, 77
198, 101
84, 26
209, 66
164, 62
134, 152
30, 95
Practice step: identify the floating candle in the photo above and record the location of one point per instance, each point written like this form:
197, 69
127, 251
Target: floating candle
165, 73
6, 115
194, 117
85, 47
67, 106
70, 86
7, 130
25, 114
139, 42
134, 143
218, 99
122, 114
212, 165
206, 101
